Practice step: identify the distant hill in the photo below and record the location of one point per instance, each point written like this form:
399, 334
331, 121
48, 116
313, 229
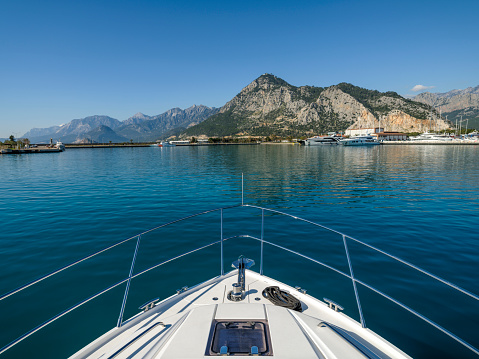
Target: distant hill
139, 127
78, 128
271, 106
454, 104
101, 134
72, 131
155, 127
41, 132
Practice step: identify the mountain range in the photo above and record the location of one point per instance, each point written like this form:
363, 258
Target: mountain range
270, 106
137, 128
455, 104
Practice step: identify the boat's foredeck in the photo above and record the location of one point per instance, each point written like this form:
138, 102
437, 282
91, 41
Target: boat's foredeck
183, 326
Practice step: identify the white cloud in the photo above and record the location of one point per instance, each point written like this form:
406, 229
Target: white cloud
421, 88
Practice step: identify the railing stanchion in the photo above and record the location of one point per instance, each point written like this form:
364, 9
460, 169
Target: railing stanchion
262, 237
222, 268
242, 189
120, 318
363, 322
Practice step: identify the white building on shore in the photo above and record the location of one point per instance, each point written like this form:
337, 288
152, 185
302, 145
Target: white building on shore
391, 136
363, 131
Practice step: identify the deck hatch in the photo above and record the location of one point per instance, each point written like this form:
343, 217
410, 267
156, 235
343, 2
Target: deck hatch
241, 337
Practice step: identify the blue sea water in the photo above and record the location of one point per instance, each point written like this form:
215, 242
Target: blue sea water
420, 203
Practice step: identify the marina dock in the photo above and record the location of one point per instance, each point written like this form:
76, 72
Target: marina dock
7, 151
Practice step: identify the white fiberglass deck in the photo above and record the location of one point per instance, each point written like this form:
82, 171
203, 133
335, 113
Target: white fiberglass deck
180, 326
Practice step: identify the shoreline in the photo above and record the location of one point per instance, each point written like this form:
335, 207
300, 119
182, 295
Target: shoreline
435, 143
72, 146
113, 145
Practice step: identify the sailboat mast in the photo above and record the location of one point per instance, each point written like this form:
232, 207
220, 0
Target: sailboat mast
440, 116
430, 120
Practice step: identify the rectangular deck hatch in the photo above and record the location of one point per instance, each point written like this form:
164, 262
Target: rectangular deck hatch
240, 337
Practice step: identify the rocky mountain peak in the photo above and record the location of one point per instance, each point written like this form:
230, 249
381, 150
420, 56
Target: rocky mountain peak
265, 82
136, 119
197, 108
269, 105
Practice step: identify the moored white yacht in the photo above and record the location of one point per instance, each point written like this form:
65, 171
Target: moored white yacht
363, 140
322, 141
243, 312
60, 146
163, 144
431, 137
473, 136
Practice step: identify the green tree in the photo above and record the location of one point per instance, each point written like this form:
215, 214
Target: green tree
11, 141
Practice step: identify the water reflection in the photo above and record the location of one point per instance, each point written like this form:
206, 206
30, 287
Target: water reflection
418, 202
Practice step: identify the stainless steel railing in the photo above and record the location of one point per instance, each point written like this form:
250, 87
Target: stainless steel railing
344, 237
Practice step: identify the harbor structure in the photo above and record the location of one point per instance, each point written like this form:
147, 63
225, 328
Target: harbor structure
390, 136
363, 131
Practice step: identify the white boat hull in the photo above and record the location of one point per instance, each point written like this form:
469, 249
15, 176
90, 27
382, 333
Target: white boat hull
431, 137
322, 141
362, 143
315, 143
364, 140
181, 326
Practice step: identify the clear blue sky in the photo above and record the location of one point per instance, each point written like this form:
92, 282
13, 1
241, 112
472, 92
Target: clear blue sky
61, 60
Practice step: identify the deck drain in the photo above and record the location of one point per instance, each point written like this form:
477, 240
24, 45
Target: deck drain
215, 298
257, 298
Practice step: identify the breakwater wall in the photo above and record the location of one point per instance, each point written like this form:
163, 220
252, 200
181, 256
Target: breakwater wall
422, 143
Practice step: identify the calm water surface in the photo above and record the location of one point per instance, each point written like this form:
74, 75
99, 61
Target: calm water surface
420, 203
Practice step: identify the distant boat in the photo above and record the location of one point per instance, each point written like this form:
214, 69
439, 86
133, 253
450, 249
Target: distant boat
322, 141
163, 144
60, 146
364, 140
473, 136
431, 137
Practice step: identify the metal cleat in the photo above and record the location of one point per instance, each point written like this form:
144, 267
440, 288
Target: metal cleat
299, 289
149, 305
333, 305
179, 291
